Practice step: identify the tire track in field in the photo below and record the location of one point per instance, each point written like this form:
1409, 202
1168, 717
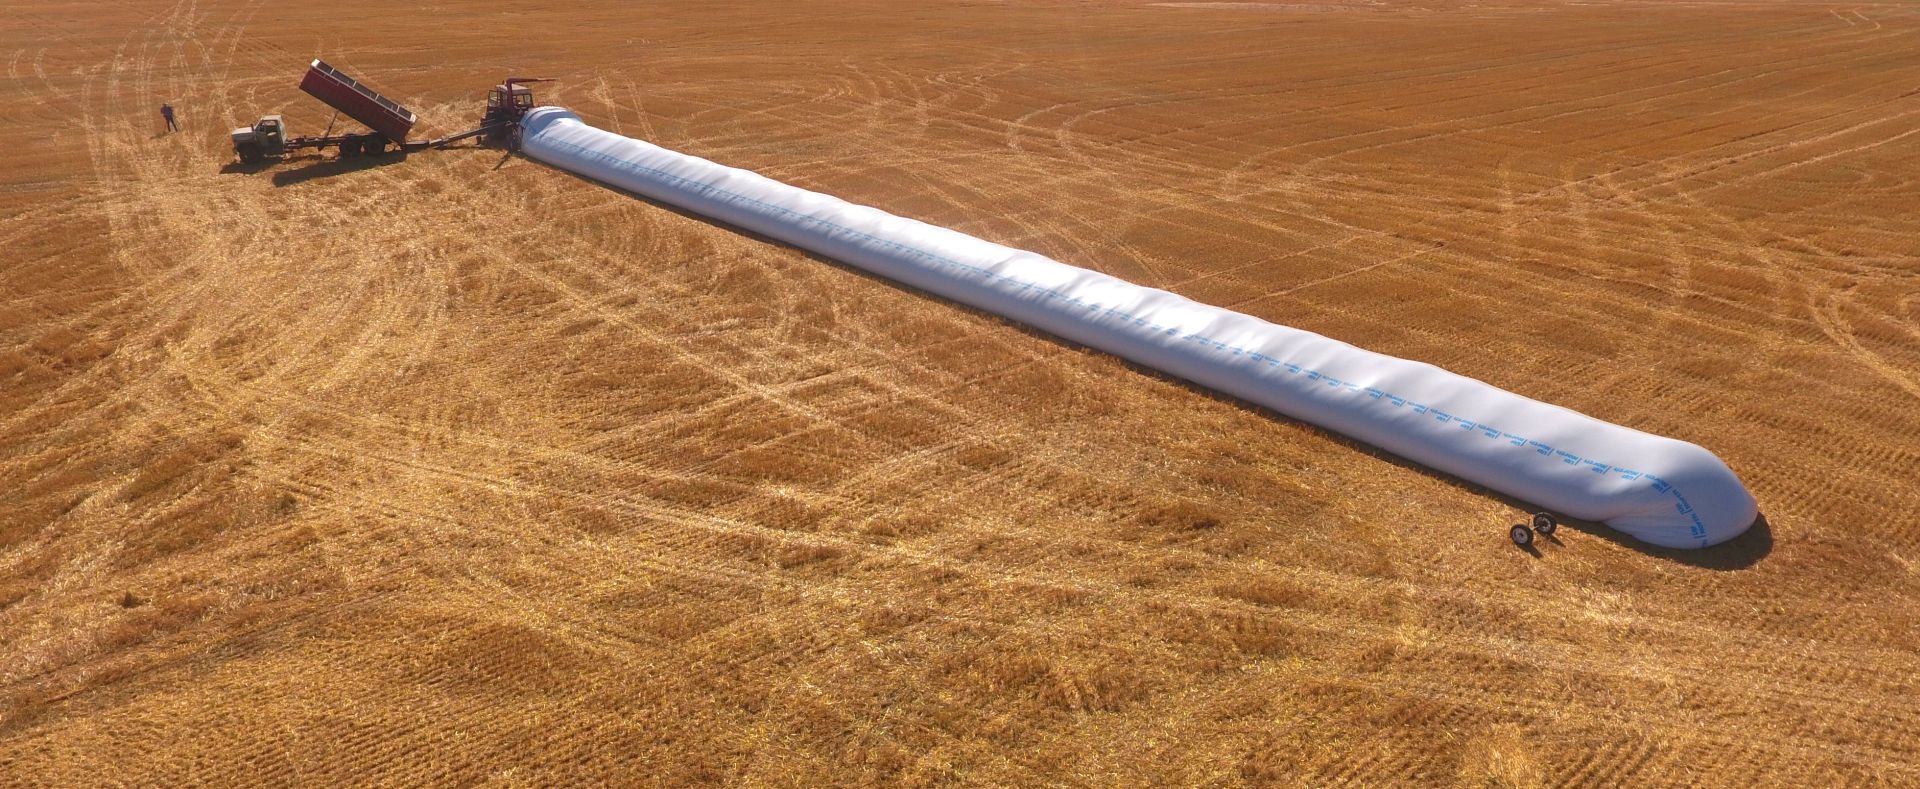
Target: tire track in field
701, 521
1829, 313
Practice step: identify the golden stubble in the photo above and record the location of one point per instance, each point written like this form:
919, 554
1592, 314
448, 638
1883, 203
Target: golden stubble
459, 469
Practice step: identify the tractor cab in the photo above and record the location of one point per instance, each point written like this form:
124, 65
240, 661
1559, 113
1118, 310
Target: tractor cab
516, 99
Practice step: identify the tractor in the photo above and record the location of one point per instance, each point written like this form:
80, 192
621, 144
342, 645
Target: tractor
506, 103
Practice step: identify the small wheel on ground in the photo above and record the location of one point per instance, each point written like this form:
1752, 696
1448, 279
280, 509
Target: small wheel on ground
1522, 536
1545, 524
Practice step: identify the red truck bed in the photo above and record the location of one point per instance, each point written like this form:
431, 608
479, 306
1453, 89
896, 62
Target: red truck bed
358, 101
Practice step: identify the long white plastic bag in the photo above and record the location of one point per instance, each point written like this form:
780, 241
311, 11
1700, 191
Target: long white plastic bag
1661, 490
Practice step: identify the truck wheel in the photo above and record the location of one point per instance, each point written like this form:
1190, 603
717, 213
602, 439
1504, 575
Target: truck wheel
349, 148
1522, 536
250, 154
1545, 524
374, 146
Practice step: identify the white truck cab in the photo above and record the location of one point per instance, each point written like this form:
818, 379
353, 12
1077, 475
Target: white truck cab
266, 137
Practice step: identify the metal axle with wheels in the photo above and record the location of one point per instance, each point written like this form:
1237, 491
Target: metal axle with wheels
1543, 524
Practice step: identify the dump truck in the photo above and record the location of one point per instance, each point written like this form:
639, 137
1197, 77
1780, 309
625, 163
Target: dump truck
388, 124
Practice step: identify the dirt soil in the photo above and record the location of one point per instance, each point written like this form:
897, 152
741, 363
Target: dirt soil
454, 468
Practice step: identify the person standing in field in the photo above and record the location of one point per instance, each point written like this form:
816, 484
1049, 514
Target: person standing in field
166, 111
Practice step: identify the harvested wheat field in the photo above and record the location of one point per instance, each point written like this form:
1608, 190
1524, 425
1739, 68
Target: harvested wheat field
455, 468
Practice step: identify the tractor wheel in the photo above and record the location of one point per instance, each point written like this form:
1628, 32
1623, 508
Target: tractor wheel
1522, 536
1545, 524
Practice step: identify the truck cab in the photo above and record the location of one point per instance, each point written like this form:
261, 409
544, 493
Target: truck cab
266, 137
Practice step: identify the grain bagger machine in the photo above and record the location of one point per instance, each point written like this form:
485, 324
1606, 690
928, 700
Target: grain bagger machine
388, 123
